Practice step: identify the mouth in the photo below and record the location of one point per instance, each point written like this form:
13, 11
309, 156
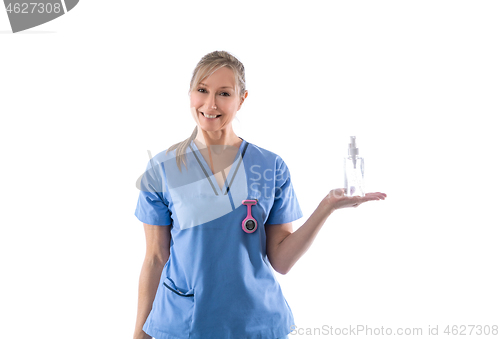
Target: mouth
210, 116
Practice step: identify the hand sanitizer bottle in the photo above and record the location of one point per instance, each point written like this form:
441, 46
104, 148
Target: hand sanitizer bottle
354, 171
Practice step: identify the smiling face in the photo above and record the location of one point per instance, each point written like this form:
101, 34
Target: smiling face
216, 95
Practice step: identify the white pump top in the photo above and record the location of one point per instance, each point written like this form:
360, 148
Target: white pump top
353, 150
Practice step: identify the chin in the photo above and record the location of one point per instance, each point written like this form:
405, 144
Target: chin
209, 128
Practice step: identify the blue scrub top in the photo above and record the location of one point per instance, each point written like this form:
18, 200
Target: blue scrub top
217, 282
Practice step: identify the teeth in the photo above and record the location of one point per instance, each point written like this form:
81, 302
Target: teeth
210, 116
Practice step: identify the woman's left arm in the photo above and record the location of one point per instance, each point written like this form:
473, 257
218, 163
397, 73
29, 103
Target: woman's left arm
285, 247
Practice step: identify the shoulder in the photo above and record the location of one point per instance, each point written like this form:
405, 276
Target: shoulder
169, 153
263, 152
162, 156
259, 153
161, 160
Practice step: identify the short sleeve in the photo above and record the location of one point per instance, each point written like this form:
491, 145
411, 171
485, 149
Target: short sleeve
152, 207
285, 206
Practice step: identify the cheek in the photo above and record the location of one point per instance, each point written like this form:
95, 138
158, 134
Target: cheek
195, 100
230, 106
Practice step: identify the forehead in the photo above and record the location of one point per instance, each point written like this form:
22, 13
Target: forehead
223, 77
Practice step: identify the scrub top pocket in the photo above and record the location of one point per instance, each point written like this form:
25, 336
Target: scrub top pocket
180, 305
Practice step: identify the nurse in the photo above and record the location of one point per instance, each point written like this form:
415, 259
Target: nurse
217, 213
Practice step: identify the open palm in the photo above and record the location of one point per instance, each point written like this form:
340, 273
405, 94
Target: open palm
337, 199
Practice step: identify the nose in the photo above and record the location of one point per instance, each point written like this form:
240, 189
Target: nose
210, 103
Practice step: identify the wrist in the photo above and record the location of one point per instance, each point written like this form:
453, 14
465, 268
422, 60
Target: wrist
140, 334
326, 207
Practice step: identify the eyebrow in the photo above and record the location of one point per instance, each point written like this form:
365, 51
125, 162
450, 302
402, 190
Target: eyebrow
201, 83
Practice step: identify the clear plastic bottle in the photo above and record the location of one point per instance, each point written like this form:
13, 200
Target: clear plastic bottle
354, 171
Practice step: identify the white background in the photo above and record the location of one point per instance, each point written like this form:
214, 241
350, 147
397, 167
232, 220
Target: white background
82, 99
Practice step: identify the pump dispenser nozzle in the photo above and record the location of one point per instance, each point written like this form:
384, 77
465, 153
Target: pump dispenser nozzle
353, 150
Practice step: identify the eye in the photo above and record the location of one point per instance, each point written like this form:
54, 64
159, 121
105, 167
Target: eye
202, 90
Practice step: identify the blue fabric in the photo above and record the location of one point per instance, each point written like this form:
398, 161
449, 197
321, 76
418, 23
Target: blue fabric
285, 337
218, 282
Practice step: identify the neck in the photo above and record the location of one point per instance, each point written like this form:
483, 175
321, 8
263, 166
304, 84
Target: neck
223, 137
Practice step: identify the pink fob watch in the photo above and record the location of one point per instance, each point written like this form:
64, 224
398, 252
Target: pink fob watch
249, 224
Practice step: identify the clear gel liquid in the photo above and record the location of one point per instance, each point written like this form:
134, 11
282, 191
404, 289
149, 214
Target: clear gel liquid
354, 177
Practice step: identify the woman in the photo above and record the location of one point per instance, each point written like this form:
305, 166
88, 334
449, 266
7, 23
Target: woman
217, 213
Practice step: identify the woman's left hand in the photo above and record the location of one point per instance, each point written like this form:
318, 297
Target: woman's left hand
337, 199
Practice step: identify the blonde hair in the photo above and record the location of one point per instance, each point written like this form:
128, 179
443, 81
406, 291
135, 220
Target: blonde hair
206, 67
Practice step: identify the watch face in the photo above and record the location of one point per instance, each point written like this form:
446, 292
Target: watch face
250, 225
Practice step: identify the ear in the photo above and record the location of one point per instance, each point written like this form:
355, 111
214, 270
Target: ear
242, 99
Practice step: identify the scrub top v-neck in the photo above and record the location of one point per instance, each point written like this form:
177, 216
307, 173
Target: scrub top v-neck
211, 176
218, 282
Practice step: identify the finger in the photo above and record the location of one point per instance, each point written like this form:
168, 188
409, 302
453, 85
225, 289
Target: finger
376, 195
372, 197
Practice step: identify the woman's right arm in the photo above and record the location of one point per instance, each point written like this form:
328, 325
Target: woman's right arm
157, 254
